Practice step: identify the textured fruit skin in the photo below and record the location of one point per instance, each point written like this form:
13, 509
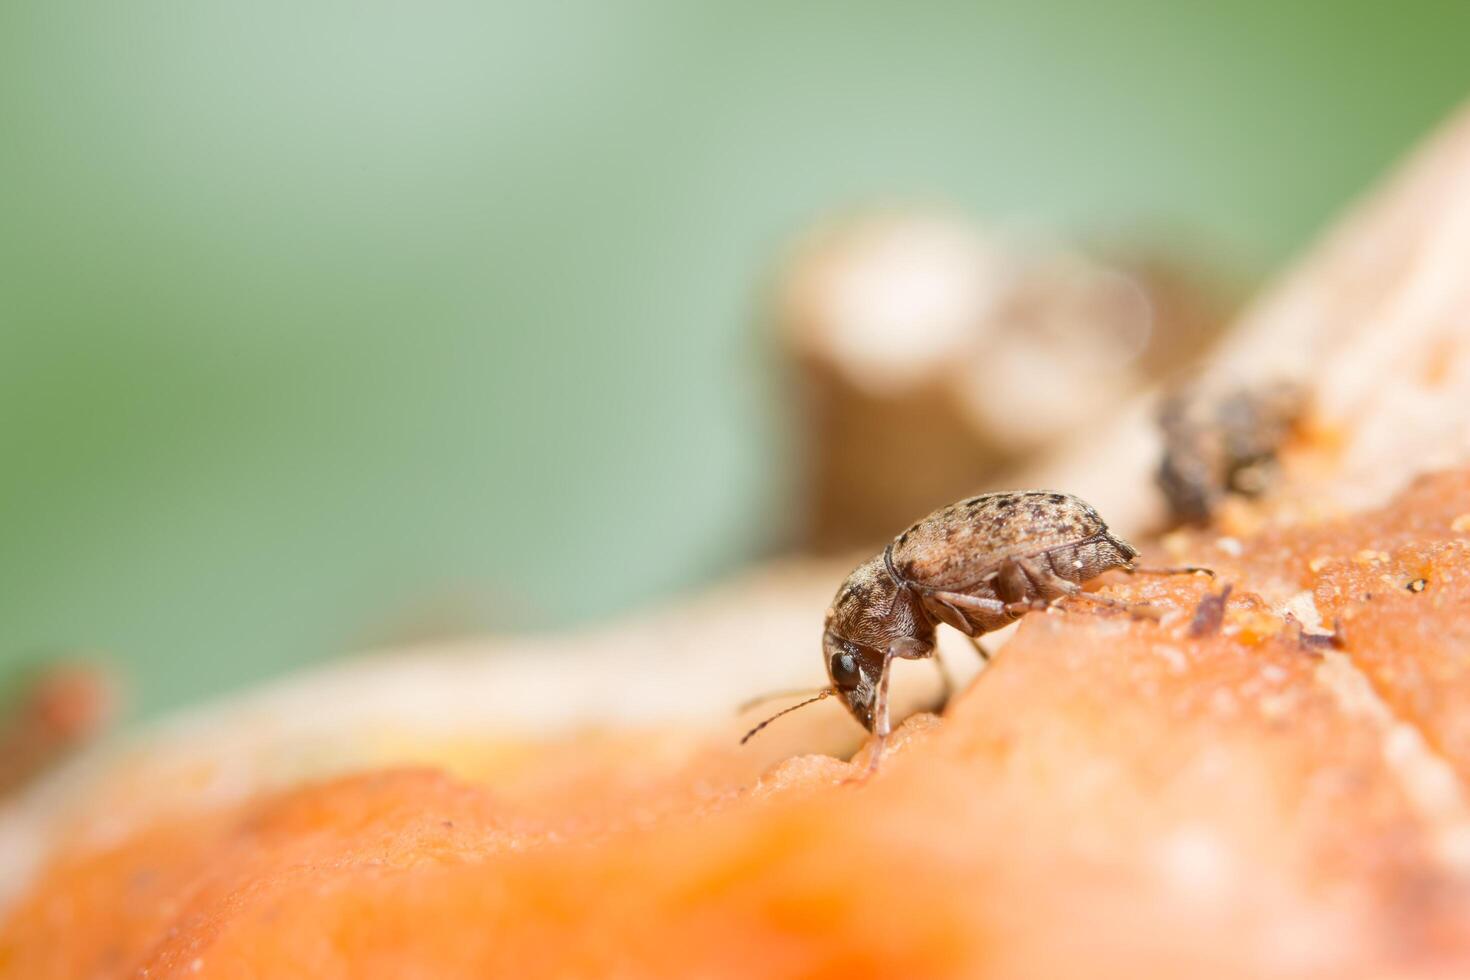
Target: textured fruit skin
1213, 806
976, 565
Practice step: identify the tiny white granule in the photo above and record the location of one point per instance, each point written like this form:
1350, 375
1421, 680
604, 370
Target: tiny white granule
1176, 659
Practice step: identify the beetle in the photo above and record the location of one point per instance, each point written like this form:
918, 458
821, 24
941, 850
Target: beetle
976, 565
1222, 443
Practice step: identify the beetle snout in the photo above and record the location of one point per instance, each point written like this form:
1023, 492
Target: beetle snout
1124, 548
850, 667
860, 703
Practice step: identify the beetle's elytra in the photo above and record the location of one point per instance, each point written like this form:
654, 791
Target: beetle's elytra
976, 565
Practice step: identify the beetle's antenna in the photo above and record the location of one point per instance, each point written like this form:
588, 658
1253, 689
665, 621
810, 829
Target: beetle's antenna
773, 695
825, 693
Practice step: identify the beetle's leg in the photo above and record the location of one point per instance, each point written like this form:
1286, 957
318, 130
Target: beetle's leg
946, 682
947, 614
1012, 583
1049, 582
1138, 610
1053, 586
880, 721
979, 648
960, 601
1103, 600
909, 648
880, 715
1012, 610
1046, 583
1176, 570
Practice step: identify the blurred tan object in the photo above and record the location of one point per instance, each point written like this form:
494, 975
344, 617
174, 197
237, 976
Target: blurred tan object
1374, 327
931, 357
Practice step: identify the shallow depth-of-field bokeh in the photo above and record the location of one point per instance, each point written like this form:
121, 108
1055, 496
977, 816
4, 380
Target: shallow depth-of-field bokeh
324, 324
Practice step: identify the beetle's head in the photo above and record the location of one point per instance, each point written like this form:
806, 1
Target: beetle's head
854, 670
1123, 552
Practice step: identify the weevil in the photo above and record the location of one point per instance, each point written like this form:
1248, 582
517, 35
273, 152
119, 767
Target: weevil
976, 565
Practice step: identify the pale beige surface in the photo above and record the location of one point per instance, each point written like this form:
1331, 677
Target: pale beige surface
1375, 323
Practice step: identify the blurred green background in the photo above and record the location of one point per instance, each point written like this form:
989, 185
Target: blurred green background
321, 322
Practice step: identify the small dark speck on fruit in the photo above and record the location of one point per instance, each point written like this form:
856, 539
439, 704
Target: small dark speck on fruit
1210, 613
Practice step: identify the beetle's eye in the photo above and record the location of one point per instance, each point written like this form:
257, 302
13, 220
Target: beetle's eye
844, 670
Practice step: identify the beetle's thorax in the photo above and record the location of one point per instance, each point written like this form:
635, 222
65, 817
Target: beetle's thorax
873, 609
